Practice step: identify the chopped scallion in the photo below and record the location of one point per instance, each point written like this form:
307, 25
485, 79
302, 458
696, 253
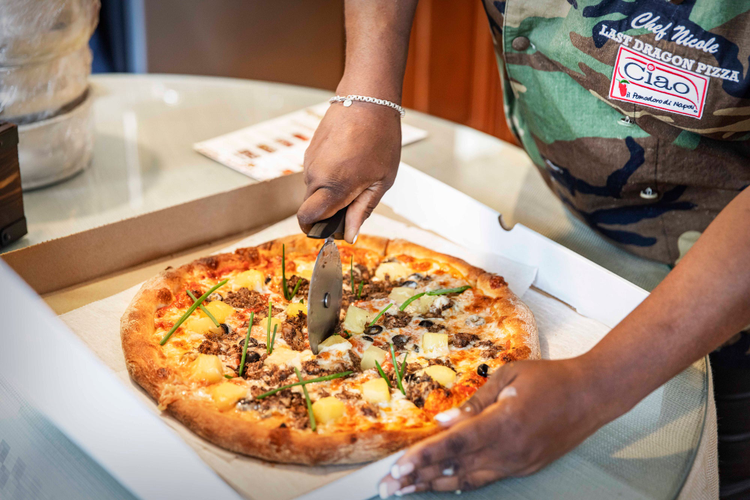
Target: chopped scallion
308, 381
410, 300
190, 311
203, 308
379, 315
382, 373
307, 400
395, 369
247, 341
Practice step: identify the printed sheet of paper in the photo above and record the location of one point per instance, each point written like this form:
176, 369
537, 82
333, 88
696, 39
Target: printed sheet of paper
276, 147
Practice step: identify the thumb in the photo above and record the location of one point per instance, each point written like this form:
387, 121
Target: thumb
497, 388
320, 205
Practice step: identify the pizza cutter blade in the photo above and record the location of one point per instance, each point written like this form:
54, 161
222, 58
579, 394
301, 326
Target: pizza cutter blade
326, 284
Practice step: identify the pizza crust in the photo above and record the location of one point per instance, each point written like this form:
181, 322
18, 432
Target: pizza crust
147, 365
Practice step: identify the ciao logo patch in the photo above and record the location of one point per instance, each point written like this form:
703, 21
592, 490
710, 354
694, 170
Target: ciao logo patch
649, 82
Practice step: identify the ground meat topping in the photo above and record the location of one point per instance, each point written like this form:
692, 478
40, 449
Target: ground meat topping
398, 320
463, 339
356, 360
247, 299
369, 411
376, 290
293, 331
437, 312
304, 285
210, 347
347, 395
419, 388
311, 367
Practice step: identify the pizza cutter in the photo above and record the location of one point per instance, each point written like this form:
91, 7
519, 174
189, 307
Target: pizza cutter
326, 284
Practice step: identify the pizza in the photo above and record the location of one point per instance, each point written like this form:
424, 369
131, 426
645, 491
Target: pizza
221, 344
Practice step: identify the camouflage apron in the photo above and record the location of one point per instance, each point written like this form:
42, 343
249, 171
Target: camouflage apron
637, 112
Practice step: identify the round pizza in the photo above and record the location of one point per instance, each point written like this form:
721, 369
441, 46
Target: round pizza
221, 344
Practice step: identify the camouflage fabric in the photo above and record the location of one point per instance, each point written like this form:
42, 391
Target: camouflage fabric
637, 112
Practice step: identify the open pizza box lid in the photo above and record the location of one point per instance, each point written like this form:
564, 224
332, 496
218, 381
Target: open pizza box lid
80, 395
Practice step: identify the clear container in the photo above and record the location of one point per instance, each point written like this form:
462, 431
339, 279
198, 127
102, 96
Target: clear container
36, 30
52, 150
40, 90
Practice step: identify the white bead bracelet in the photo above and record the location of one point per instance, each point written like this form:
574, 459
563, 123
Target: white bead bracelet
350, 98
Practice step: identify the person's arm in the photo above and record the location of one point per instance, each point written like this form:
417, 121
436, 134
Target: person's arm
532, 412
354, 154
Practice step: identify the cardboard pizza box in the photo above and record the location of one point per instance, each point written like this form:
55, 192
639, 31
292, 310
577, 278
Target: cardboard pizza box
82, 268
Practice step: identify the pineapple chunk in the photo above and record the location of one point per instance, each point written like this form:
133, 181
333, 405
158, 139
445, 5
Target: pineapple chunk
371, 355
421, 305
334, 340
252, 280
201, 326
295, 308
435, 344
356, 319
303, 269
376, 391
401, 294
220, 310
207, 368
226, 395
273, 321
395, 271
327, 409
441, 374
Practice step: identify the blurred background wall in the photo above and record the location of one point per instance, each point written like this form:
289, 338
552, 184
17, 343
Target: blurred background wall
451, 71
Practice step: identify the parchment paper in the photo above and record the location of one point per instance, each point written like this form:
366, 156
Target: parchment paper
563, 333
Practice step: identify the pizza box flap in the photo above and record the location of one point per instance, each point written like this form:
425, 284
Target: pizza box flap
78, 258
592, 290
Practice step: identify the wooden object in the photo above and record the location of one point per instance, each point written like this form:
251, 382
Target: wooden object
12, 220
451, 71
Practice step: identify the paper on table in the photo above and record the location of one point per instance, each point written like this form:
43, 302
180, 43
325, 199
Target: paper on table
97, 324
276, 147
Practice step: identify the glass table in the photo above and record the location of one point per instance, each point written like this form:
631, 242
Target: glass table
143, 161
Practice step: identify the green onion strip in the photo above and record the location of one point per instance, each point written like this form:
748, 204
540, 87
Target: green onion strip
442, 291
190, 311
247, 341
283, 272
307, 400
308, 381
379, 314
268, 328
395, 369
273, 339
203, 308
382, 373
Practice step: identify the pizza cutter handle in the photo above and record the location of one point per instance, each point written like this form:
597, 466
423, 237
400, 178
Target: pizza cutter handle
333, 226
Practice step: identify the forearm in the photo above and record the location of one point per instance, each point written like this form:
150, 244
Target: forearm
377, 43
703, 302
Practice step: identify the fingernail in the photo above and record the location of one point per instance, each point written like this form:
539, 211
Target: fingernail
406, 490
448, 415
449, 471
354, 240
399, 471
383, 490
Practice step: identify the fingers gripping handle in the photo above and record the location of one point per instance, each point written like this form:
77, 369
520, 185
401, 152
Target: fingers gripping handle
333, 226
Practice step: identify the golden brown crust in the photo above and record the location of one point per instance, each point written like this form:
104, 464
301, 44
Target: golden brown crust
288, 445
147, 365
